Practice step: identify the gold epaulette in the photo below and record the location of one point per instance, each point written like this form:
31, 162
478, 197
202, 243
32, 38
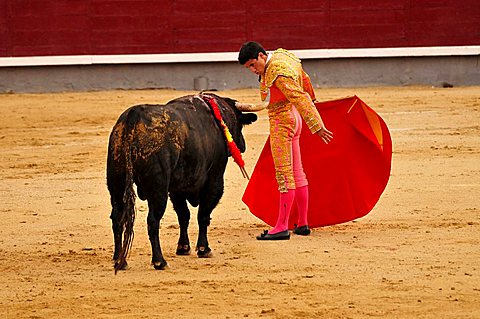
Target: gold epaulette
282, 63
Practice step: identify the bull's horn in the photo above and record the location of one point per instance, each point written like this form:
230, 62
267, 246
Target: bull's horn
246, 107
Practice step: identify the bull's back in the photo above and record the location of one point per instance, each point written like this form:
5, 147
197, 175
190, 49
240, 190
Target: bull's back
180, 140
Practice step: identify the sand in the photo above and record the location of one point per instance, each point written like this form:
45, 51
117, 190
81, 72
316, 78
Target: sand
416, 255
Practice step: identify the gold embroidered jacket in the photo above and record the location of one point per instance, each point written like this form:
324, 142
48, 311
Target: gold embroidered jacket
285, 84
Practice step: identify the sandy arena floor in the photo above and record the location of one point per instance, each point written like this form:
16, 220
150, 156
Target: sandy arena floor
416, 255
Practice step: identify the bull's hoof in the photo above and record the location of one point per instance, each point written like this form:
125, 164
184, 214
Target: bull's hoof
204, 252
183, 250
160, 265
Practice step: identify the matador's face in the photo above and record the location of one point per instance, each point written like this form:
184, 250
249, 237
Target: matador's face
257, 65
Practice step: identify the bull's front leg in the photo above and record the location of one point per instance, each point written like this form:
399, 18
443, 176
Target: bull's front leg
203, 249
183, 213
208, 200
155, 214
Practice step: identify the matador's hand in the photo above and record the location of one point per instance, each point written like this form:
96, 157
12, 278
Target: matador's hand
325, 135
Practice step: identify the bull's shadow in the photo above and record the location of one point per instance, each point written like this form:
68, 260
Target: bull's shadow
176, 150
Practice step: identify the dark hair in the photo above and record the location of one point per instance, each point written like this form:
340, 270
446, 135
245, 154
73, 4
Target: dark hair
250, 50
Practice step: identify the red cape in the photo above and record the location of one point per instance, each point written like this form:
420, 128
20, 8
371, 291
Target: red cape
346, 177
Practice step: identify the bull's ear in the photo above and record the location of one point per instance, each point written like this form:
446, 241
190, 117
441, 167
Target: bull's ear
248, 118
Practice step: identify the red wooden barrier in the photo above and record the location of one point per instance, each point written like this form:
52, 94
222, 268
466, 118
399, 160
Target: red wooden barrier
65, 27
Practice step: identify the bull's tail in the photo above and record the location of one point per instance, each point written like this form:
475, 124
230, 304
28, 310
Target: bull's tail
127, 219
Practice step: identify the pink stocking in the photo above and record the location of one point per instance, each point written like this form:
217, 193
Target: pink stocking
286, 201
301, 197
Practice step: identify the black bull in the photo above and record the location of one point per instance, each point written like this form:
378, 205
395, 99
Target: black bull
175, 150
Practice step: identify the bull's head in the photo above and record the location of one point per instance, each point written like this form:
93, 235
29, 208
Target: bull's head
236, 124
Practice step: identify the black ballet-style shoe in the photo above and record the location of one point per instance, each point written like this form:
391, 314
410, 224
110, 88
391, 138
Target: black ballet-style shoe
302, 230
283, 235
